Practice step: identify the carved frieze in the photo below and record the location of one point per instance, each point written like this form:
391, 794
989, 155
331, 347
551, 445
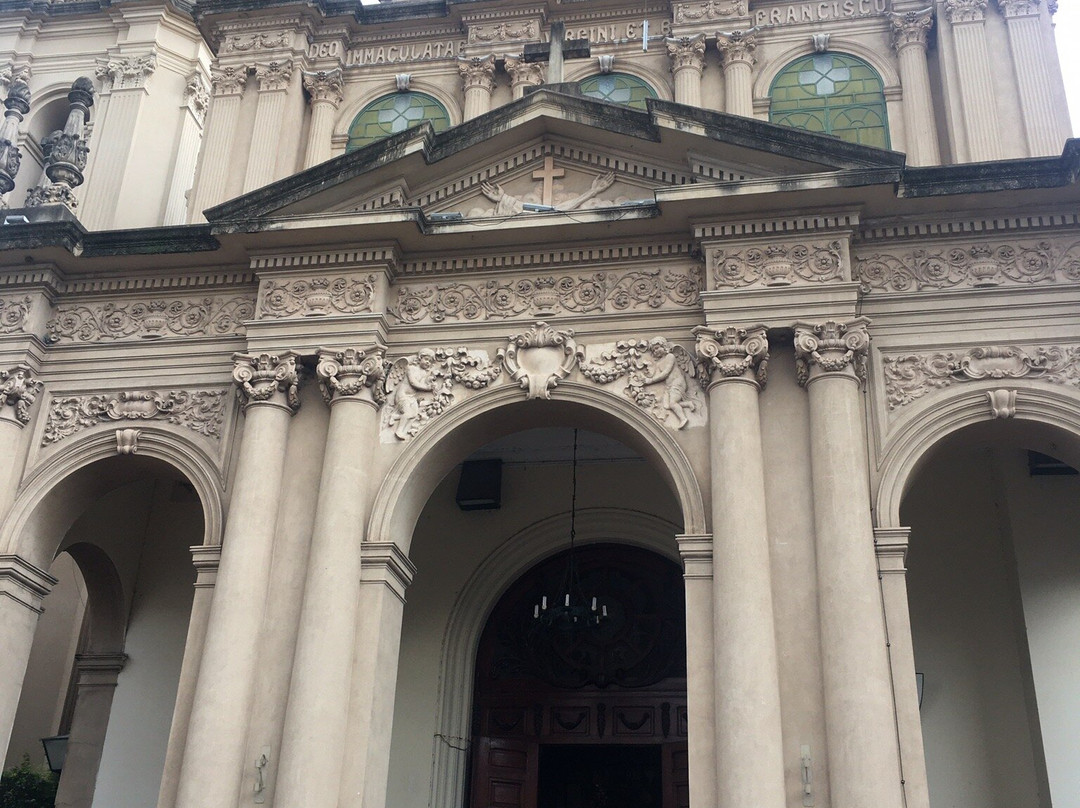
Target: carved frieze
267, 379
13, 314
201, 411
256, 42
105, 322
127, 74
831, 348
353, 373
18, 391
538, 358
658, 376
548, 295
911, 376
315, 297
778, 264
976, 265
421, 386
500, 32
709, 10
733, 353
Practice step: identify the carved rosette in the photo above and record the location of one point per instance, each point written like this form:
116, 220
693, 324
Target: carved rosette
127, 74
911, 376
325, 86
317, 297
737, 47
687, 53
201, 411
504, 32
229, 80
273, 76
709, 10
911, 28
831, 349
733, 354
151, 319
267, 379
1019, 8
524, 74
477, 73
355, 374
538, 358
961, 11
778, 264
13, 314
18, 391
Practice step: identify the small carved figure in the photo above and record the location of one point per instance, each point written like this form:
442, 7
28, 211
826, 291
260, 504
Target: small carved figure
508, 205
665, 368
19, 389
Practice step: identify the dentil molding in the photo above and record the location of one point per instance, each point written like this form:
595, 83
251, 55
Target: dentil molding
778, 264
151, 319
201, 411
344, 294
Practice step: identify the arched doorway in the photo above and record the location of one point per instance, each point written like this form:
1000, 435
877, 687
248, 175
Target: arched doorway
584, 715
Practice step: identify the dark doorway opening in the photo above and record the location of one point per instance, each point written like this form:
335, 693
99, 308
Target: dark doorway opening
603, 776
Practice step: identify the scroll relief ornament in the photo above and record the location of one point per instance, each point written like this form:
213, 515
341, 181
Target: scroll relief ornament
911, 376
538, 358
267, 379
778, 264
317, 297
976, 265
13, 314
201, 411
831, 348
547, 295
353, 373
18, 391
732, 353
709, 10
659, 376
419, 387
503, 32
205, 317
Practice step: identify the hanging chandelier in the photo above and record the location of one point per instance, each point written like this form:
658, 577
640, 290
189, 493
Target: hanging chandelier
570, 607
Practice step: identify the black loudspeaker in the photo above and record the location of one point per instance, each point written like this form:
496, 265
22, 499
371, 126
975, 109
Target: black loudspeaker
480, 485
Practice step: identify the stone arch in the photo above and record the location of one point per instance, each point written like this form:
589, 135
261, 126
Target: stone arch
36, 524
514, 557
105, 598
884, 67
942, 416
661, 82
430, 455
349, 111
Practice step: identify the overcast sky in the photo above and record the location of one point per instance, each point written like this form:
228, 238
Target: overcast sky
1068, 40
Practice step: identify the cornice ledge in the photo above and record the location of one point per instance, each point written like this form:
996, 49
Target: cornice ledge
999, 175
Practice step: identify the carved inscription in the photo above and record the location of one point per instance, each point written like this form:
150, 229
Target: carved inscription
317, 297
201, 411
817, 12
208, 316
778, 264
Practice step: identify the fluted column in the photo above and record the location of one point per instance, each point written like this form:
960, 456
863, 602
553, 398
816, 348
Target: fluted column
687, 62
910, 30
478, 81
206, 560
228, 88
749, 739
859, 718
325, 90
193, 110
273, 79
214, 753
523, 74
737, 54
314, 739
977, 96
1042, 125
891, 544
95, 685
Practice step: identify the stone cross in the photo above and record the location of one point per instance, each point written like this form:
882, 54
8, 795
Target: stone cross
548, 174
557, 49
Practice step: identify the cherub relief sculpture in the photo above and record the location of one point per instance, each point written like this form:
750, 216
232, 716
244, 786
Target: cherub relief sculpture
660, 378
420, 387
553, 195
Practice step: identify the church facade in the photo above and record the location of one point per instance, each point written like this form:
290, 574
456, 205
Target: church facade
540, 404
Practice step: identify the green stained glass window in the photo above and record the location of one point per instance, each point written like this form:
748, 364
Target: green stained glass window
395, 113
833, 93
618, 88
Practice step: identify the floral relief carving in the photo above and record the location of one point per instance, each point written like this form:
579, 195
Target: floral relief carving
419, 387
976, 265
129, 73
13, 314
353, 373
831, 348
732, 353
255, 42
709, 10
548, 295
778, 264
317, 297
911, 376
503, 32
660, 377
18, 391
201, 411
538, 358
197, 96
208, 316
267, 379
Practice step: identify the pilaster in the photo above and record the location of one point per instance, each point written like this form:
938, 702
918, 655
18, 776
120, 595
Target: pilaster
1043, 127
227, 89
193, 116
978, 100
273, 79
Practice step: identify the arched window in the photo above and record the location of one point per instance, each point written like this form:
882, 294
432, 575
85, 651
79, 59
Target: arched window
832, 93
618, 88
395, 113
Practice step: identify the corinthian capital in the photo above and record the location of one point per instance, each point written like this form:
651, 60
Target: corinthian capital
911, 27
831, 348
958, 11
522, 73
229, 80
18, 389
686, 53
353, 373
737, 46
1018, 8
273, 76
478, 71
733, 354
267, 379
325, 85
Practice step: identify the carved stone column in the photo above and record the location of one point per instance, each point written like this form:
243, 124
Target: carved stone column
478, 81
273, 79
891, 544
206, 560
228, 88
96, 676
737, 53
749, 739
386, 574
65, 153
977, 96
859, 722
193, 110
687, 62
325, 91
910, 30
523, 74
314, 746
16, 105
214, 753
1043, 126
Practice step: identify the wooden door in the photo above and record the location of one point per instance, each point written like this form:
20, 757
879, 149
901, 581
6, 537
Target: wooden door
505, 774
674, 759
